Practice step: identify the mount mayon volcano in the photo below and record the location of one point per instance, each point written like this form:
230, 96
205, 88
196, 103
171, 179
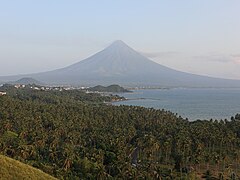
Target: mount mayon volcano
120, 64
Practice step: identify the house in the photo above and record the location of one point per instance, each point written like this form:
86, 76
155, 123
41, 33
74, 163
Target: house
20, 86
36, 88
2, 93
17, 86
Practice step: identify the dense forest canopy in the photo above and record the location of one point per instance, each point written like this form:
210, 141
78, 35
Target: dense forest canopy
75, 135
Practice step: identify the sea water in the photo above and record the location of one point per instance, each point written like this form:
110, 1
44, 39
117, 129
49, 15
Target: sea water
191, 103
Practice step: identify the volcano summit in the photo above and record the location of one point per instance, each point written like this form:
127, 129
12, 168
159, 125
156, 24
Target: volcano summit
120, 64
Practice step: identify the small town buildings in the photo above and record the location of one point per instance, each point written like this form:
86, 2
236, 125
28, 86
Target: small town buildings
36, 88
17, 86
20, 86
3, 93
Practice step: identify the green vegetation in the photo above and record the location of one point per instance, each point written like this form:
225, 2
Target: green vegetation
11, 169
72, 135
111, 88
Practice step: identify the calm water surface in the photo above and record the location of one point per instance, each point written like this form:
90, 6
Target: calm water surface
189, 103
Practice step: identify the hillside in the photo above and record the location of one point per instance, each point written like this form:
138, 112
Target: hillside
11, 169
111, 88
27, 81
120, 64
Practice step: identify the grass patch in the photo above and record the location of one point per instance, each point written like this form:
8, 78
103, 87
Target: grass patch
11, 169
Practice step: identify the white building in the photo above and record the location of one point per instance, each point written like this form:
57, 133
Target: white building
2, 93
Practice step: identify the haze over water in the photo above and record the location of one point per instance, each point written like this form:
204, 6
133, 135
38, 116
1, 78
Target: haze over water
191, 103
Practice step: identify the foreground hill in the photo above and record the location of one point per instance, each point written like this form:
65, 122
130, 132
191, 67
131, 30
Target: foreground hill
11, 169
120, 64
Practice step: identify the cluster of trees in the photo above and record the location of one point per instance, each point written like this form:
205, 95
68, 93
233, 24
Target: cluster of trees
74, 135
112, 88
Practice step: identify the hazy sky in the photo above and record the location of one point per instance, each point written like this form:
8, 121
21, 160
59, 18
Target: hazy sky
197, 36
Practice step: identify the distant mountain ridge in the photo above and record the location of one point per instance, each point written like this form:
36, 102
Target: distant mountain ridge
120, 64
27, 81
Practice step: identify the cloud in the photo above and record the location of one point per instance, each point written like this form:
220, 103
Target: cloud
160, 54
208, 57
237, 61
236, 58
221, 58
214, 58
236, 55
